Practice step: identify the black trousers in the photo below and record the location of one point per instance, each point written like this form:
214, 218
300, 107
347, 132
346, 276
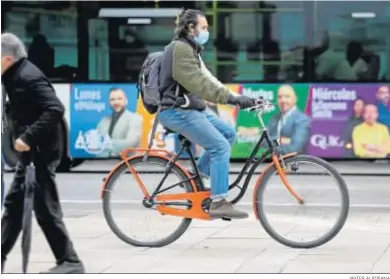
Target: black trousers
47, 208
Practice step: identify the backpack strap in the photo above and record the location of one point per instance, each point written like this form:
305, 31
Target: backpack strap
154, 128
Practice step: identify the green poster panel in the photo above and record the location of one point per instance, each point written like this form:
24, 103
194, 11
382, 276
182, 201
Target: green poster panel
248, 125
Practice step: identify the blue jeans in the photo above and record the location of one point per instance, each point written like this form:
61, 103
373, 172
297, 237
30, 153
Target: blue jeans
211, 133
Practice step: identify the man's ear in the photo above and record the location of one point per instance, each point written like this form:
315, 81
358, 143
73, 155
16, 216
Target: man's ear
191, 28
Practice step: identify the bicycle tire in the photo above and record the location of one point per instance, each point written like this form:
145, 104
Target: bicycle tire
340, 221
109, 217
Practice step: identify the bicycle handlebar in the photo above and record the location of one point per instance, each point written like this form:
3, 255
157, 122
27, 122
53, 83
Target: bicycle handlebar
262, 106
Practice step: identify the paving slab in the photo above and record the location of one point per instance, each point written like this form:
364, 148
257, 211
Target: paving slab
218, 247
241, 246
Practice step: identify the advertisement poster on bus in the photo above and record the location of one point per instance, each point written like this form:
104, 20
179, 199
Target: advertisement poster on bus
104, 120
349, 121
325, 120
294, 129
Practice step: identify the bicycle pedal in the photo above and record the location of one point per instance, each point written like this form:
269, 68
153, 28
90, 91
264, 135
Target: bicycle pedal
226, 219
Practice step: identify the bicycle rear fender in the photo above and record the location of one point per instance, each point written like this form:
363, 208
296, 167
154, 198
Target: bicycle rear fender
124, 162
258, 181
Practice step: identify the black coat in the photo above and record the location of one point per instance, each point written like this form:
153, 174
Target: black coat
35, 109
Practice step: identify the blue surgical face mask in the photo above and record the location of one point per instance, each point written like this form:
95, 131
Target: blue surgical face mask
202, 37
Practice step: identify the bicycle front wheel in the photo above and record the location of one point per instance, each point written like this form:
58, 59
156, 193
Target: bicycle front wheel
124, 209
323, 213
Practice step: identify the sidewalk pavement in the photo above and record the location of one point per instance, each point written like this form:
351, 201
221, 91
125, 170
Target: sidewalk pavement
344, 167
242, 246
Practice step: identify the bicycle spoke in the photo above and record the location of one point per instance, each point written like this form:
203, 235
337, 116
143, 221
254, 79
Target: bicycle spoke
310, 224
137, 221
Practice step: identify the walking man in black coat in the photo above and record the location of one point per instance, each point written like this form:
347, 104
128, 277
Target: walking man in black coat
36, 114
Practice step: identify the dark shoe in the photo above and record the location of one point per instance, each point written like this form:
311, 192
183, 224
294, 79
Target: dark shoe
66, 268
224, 209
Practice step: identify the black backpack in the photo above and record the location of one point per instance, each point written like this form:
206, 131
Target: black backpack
149, 80
148, 88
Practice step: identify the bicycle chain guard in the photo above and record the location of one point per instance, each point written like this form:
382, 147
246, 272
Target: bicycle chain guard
196, 211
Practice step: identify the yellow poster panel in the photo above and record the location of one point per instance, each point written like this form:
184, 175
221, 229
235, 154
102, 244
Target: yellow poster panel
159, 142
229, 113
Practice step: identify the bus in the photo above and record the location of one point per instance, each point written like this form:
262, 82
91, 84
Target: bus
97, 46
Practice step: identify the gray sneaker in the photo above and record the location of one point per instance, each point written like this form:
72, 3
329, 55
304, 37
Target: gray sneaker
205, 180
224, 209
66, 268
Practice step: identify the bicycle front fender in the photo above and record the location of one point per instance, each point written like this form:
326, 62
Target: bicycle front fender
106, 180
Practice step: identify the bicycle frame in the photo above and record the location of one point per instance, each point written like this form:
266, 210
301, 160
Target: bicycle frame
186, 147
195, 199
273, 149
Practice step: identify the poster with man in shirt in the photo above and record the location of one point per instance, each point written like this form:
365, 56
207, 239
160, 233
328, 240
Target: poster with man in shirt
104, 120
288, 117
371, 139
331, 107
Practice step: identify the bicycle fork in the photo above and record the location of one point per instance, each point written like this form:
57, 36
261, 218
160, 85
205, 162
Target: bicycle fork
281, 168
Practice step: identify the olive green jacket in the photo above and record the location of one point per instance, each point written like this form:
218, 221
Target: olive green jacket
182, 64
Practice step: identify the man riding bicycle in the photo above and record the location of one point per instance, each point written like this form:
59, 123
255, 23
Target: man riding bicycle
182, 64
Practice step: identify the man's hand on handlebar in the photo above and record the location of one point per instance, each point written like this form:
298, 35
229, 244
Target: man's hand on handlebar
261, 104
243, 102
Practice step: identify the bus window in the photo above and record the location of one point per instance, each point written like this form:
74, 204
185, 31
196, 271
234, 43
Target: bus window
254, 41
118, 45
356, 48
50, 36
250, 41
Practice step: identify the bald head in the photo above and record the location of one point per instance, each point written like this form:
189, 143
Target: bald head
12, 50
370, 114
118, 99
286, 98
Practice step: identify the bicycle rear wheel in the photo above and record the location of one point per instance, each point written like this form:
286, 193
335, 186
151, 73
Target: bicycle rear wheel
278, 209
127, 198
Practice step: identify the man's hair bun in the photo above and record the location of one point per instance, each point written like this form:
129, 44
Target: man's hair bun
179, 16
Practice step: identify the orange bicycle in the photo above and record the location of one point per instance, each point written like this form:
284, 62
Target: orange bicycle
193, 198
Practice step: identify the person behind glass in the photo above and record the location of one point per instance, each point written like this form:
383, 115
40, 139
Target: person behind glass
36, 114
182, 65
